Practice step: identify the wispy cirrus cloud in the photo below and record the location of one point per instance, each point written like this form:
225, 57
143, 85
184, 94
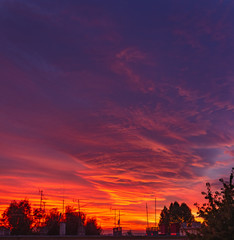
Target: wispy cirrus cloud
101, 105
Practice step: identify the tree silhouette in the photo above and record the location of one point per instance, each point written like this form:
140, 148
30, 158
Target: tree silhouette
185, 214
21, 220
164, 216
218, 213
91, 227
52, 221
17, 217
176, 214
74, 221
38, 218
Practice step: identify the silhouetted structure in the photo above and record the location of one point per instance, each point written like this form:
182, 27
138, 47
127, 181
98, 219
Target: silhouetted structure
163, 229
62, 229
175, 229
4, 231
194, 229
152, 231
117, 232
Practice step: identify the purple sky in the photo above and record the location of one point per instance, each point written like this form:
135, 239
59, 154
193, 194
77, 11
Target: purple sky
115, 102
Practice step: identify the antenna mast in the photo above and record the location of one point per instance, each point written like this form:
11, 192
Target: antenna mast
79, 206
63, 206
147, 215
115, 217
41, 193
155, 212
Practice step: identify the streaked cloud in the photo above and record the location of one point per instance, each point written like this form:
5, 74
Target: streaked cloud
100, 104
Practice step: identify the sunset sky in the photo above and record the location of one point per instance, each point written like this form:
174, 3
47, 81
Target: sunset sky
115, 103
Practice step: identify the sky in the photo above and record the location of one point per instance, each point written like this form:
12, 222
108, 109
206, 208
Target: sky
115, 103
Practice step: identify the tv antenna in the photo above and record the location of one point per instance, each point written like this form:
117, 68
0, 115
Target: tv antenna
41, 199
78, 204
115, 218
119, 219
155, 223
147, 219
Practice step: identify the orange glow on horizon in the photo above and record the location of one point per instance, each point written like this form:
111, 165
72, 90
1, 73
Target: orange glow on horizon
132, 209
101, 105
